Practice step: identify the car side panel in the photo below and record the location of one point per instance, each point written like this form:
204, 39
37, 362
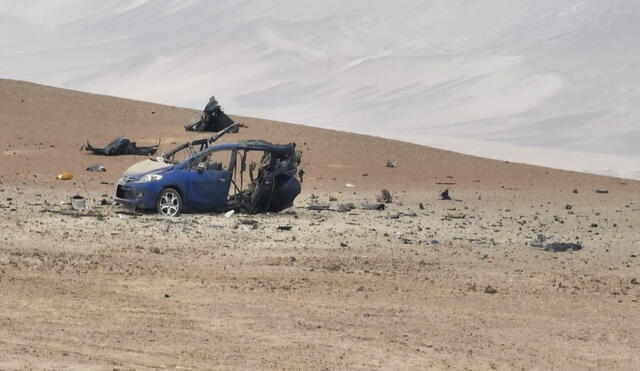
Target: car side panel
208, 189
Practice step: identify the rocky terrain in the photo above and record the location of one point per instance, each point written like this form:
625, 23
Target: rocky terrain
465, 283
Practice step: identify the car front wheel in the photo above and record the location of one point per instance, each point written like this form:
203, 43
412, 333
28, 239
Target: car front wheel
169, 203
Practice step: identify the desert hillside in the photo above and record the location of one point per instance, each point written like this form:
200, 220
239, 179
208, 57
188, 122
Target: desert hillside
548, 82
475, 282
43, 129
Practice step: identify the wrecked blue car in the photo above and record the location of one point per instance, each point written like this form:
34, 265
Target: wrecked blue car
253, 176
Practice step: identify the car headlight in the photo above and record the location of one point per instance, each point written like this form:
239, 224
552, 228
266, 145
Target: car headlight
151, 178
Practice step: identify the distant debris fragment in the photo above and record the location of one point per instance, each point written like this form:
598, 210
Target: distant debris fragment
78, 202
97, 168
490, 290
344, 208
452, 215
385, 197
563, 246
65, 176
568, 207
444, 195
368, 206
392, 163
604, 191
575, 191
318, 207
349, 185
541, 242
122, 146
213, 119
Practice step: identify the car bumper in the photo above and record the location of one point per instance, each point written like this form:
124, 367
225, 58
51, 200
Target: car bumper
139, 195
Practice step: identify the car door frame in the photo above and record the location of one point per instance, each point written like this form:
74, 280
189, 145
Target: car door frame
208, 189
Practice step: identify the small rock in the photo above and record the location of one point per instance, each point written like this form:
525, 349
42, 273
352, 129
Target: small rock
575, 191
490, 290
155, 250
343, 244
167, 295
568, 207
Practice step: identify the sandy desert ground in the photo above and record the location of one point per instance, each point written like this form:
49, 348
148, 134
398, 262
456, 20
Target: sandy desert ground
408, 287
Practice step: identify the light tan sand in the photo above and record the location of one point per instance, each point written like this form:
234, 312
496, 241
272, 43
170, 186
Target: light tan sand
364, 289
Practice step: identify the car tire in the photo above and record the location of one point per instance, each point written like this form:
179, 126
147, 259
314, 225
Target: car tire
169, 202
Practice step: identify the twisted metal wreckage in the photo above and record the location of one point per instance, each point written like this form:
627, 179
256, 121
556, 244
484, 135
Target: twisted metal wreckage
213, 119
122, 146
199, 176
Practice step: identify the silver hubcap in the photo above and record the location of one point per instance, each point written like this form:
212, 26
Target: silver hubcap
169, 203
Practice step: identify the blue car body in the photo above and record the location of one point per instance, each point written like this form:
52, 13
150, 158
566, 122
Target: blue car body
205, 184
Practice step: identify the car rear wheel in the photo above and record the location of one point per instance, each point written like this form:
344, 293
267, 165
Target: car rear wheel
169, 203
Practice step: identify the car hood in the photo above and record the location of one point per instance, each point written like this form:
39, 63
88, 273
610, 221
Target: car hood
145, 167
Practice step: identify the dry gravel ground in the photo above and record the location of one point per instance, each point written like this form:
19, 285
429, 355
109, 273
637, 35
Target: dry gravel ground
403, 288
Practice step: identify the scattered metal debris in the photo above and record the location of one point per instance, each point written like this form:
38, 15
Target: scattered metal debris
378, 206
122, 146
78, 202
444, 195
213, 119
603, 191
343, 208
563, 246
97, 168
392, 163
541, 243
490, 290
65, 176
318, 207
